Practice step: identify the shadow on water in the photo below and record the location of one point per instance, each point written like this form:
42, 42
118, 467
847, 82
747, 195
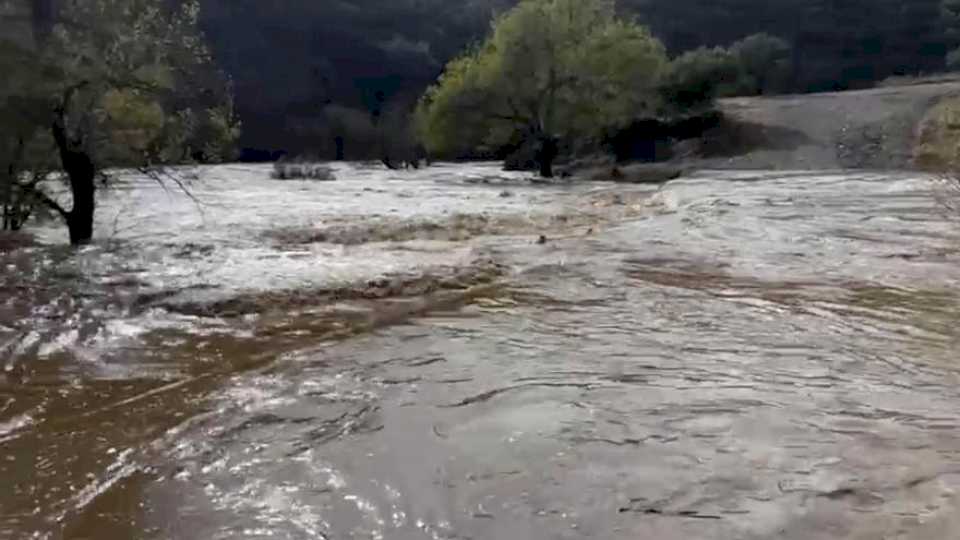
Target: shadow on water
732, 356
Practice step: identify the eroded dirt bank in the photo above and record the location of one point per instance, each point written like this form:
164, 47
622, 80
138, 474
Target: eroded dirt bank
459, 353
869, 129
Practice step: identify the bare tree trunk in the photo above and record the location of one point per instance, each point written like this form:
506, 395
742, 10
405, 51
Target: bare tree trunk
14, 207
546, 155
546, 169
8, 202
82, 176
77, 163
388, 163
81, 173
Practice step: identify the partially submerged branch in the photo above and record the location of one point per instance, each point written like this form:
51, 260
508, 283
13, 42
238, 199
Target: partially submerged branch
50, 203
162, 175
33, 190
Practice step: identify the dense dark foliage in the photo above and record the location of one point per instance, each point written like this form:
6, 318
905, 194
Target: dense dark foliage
290, 59
301, 68
838, 44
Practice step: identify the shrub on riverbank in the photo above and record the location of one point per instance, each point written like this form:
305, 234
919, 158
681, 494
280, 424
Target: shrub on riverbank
765, 64
302, 170
938, 138
756, 65
698, 77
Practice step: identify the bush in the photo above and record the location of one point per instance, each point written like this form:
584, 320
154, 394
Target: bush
698, 77
765, 63
757, 64
284, 170
953, 60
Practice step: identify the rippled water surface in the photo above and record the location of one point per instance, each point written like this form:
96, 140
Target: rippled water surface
459, 353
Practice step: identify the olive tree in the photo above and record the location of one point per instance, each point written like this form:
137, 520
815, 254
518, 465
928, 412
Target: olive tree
551, 70
106, 83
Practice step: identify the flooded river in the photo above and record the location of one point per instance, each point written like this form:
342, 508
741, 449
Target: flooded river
458, 353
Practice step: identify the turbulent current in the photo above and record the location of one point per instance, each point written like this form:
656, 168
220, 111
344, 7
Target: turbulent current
461, 353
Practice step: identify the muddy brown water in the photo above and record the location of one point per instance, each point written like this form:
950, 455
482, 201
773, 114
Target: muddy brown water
400, 356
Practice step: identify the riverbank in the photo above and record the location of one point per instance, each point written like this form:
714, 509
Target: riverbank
907, 127
877, 129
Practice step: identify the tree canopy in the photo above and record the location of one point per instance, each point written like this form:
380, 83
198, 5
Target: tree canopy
102, 83
551, 70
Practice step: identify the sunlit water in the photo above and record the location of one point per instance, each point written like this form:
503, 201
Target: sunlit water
400, 355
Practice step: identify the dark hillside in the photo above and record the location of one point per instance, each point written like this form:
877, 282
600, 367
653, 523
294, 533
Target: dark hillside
291, 59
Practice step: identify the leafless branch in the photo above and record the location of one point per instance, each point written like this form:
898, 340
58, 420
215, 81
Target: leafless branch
116, 222
162, 175
49, 202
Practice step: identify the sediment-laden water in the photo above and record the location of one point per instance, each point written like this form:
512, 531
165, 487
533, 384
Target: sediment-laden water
460, 353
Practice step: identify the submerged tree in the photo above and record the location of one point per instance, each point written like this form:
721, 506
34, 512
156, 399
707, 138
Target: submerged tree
106, 83
552, 70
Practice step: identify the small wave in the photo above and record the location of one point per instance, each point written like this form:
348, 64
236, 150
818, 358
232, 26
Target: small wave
121, 469
10, 428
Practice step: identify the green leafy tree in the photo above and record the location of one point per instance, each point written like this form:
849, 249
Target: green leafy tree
696, 78
552, 70
109, 83
213, 137
766, 63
